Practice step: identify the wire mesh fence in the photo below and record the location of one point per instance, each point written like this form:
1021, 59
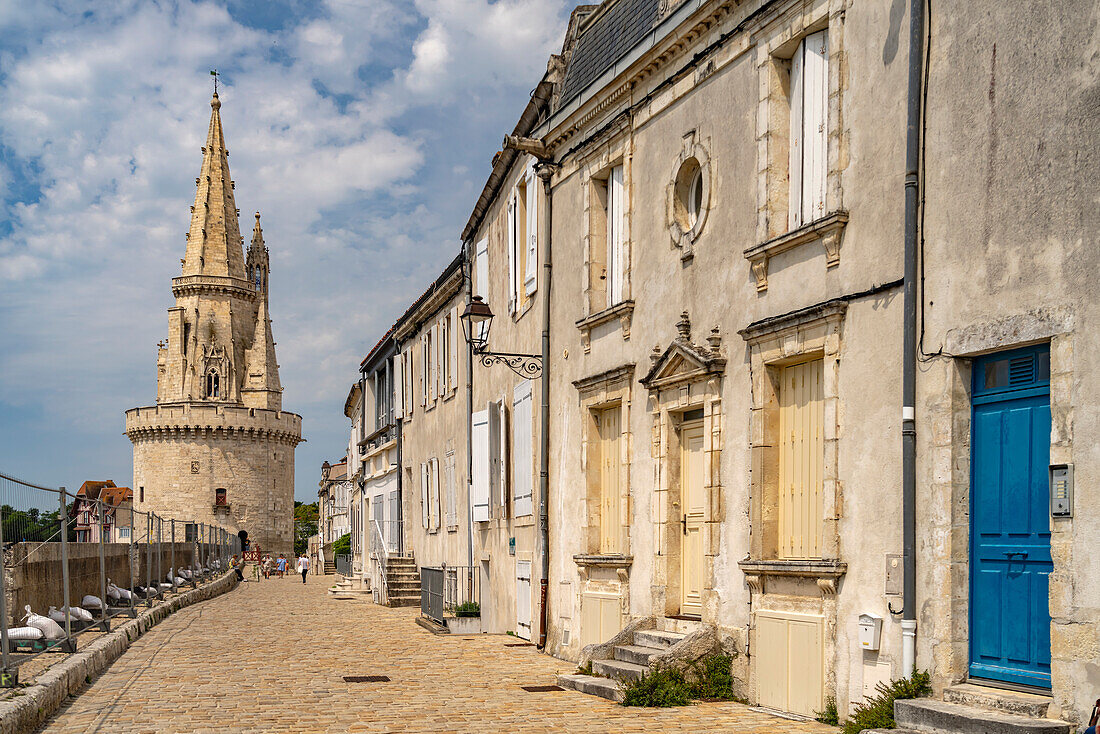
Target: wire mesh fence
73, 562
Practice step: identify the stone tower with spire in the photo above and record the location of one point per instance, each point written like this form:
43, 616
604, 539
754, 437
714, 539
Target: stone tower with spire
217, 447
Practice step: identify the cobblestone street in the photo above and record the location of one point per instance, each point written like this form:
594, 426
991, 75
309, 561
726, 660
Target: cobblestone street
270, 656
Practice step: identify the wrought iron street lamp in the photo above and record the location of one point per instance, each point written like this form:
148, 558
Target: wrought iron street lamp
477, 320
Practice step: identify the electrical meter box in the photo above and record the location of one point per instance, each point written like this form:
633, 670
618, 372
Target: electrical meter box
1061, 490
870, 630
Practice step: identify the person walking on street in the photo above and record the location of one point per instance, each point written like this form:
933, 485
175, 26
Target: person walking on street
303, 566
280, 566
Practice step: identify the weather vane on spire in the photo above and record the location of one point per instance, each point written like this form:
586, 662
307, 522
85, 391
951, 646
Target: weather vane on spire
214, 73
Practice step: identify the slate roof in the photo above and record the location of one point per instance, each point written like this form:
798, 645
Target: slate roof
607, 39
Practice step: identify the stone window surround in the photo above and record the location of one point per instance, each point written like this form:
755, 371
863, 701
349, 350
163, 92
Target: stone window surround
601, 392
950, 444
670, 397
774, 343
691, 147
772, 136
596, 166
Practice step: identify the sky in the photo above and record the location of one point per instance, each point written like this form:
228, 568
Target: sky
362, 130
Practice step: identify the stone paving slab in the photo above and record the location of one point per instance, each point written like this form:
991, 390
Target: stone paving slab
270, 656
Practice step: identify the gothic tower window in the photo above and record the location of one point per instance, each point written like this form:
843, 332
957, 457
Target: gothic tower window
219, 497
213, 388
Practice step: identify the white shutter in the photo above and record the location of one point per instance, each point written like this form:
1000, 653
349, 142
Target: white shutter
523, 599
513, 302
794, 218
398, 386
522, 453
479, 484
481, 270
424, 495
815, 129
410, 398
434, 471
453, 329
616, 211
530, 279
433, 361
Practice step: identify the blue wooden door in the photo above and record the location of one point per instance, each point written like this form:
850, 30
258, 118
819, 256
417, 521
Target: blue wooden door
1009, 518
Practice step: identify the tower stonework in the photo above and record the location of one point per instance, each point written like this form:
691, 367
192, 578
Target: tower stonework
217, 447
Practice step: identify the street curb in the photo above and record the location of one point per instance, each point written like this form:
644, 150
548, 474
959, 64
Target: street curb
26, 713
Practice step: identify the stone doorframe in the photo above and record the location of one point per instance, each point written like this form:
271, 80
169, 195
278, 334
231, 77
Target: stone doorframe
947, 390
685, 377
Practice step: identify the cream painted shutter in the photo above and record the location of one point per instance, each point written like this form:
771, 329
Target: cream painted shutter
453, 328
481, 270
801, 456
399, 386
615, 231
530, 280
433, 470
449, 480
424, 370
502, 450
495, 484
513, 301
424, 495
433, 360
522, 459
479, 484
794, 219
410, 383
815, 129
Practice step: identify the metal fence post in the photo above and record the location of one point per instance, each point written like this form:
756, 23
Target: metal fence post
130, 561
64, 517
173, 570
8, 677
148, 556
160, 551
102, 566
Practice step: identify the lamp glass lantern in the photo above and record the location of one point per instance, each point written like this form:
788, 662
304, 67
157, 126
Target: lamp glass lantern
477, 319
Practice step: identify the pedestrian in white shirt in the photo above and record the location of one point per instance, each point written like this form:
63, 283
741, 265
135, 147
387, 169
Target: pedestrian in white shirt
303, 566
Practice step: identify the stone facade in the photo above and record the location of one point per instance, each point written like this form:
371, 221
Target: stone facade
217, 447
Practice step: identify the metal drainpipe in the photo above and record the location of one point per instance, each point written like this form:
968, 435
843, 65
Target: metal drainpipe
909, 357
468, 281
545, 171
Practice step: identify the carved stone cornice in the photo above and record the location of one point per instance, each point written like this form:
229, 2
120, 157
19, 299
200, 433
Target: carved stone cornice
603, 560
828, 230
684, 361
623, 311
826, 573
193, 285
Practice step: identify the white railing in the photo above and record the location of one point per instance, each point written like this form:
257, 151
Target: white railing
379, 554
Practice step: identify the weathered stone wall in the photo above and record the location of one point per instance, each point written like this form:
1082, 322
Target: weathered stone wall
34, 575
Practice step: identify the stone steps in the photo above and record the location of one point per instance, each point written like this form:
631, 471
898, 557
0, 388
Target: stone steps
998, 699
592, 685
657, 638
943, 717
637, 654
619, 670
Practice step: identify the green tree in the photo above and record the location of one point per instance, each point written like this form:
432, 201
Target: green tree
305, 525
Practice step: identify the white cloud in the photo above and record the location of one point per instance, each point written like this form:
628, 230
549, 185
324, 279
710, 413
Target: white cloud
106, 113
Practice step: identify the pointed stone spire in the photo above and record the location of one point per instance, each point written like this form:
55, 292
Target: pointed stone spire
262, 388
214, 244
257, 262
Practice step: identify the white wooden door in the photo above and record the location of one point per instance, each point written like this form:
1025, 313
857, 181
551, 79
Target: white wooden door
610, 460
693, 508
523, 599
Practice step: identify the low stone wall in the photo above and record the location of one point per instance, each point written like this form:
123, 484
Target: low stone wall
34, 574
26, 712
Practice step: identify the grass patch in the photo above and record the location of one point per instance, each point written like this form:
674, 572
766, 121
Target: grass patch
585, 669
710, 679
877, 712
829, 714
468, 609
663, 688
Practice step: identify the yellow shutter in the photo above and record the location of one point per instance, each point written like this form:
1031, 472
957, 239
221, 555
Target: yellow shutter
801, 455
610, 460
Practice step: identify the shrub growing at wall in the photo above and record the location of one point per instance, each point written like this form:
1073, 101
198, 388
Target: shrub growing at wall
877, 712
342, 545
